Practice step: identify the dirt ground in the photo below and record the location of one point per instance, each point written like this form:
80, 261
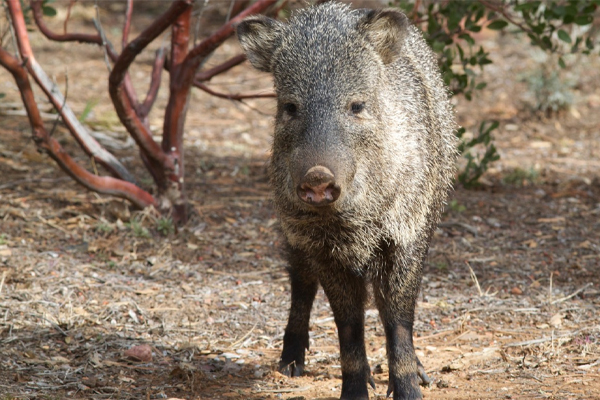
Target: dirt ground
510, 296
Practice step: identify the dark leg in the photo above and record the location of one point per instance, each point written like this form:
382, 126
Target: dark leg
395, 293
295, 340
347, 295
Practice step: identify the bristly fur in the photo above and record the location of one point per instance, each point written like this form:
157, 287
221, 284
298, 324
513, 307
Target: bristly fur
394, 161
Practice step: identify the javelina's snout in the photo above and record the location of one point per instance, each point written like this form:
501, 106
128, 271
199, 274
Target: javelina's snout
318, 187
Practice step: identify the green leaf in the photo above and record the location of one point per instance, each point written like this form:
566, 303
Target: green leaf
48, 11
568, 19
589, 43
481, 85
539, 29
564, 36
461, 52
467, 38
481, 13
559, 10
527, 6
589, 9
584, 20
546, 43
454, 19
497, 25
561, 62
438, 46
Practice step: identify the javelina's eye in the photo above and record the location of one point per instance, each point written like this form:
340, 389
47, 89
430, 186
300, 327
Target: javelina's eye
290, 108
357, 107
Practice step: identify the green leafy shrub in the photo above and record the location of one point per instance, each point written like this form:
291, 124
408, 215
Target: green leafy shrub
558, 27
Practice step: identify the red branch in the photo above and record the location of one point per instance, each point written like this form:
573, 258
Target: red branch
125, 109
231, 96
204, 76
36, 8
71, 3
79, 132
157, 67
127, 25
175, 113
208, 45
238, 7
100, 184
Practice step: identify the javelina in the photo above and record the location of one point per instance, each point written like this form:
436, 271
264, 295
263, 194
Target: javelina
363, 157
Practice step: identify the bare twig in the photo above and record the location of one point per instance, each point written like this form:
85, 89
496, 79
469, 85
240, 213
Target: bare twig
501, 10
57, 118
232, 96
474, 277
2, 281
575, 293
157, 68
109, 50
415, 11
21, 181
550, 288
290, 390
127, 24
466, 227
241, 340
68, 17
219, 69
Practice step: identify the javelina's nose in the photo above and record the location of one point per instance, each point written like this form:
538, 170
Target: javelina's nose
318, 187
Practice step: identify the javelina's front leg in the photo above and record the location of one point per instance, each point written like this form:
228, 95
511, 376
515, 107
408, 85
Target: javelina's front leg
347, 295
395, 293
295, 341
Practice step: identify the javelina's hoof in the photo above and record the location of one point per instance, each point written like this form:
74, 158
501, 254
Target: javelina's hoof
425, 380
318, 187
405, 388
292, 369
354, 386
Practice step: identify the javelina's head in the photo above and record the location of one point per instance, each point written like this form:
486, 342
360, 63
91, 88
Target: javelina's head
328, 63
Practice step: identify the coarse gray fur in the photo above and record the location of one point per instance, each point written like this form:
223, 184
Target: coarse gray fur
359, 93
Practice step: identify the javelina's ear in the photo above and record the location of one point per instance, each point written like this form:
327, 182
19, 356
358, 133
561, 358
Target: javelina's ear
258, 36
386, 30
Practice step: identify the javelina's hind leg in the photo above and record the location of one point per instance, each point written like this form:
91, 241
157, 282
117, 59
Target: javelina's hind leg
295, 341
347, 295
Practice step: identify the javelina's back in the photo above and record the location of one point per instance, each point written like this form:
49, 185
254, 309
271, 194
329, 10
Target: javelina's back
363, 157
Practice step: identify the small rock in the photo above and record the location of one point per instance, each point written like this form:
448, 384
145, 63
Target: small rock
516, 291
441, 384
140, 353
